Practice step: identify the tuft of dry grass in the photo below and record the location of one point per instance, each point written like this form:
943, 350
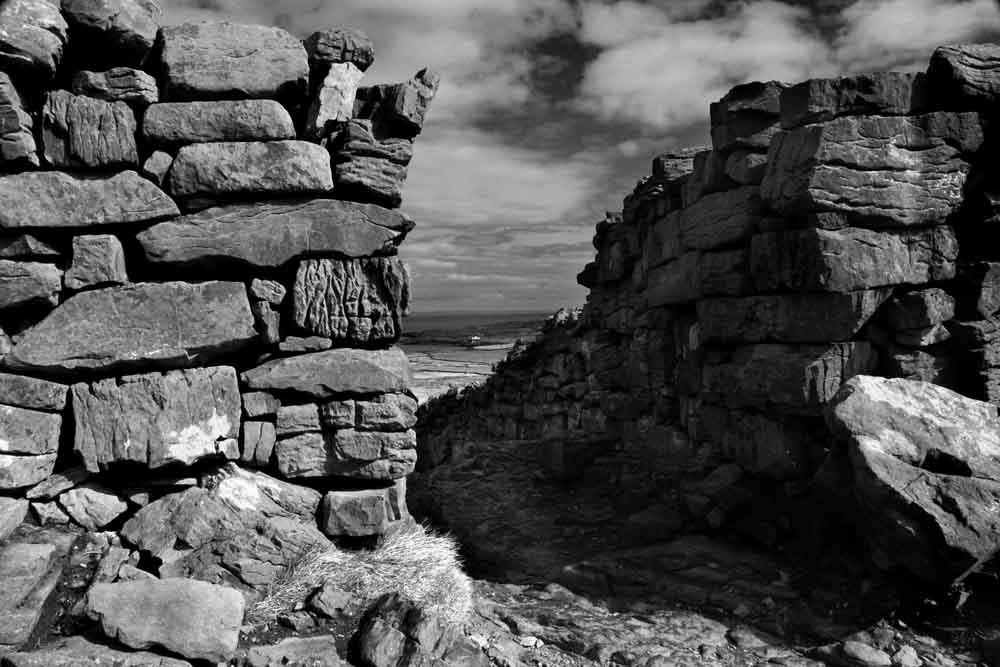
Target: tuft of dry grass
411, 560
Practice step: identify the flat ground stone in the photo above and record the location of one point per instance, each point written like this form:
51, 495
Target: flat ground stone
28, 431
137, 326
112, 32
92, 506
220, 60
79, 652
271, 234
81, 132
157, 419
60, 200
180, 123
32, 393
19, 472
195, 619
28, 283
118, 84
32, 36
329, 373
12, 513
231, 169
30, 569
98, 259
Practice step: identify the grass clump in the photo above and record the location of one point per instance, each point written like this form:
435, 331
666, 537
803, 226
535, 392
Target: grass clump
411, 560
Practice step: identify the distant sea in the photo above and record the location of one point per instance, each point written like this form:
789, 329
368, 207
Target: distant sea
444, 354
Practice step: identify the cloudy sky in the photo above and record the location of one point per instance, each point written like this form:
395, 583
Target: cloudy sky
550, 110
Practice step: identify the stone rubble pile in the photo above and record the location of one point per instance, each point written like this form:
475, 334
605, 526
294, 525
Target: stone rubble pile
834, 228
200, 293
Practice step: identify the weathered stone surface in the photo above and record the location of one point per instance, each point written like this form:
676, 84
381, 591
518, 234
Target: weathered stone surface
32, 37
675, 164
388, 412
49, 514
923, 469
268, 290
58, 483
195, 619
747, 116
965, 76
118, 84
250, 168
674, 282
357, 140
85, 133
371, 179
977, 293
58, 199
919, 309
794, 377
359, 301
363, 513
268, 322
299, 345
28, 283
112, 32
260, 404
12, 513
347, 453
332, 372
295, 419
398, 110
179, 123
156, 167
332, 100
136, 327
32, 393
92, 506
30, 570
257, 492
219, 60
721, 219
18, 472
157, 419
851, 259
257, 442
336, 415
877, 171
79, 652
922, 337
878, 94
98, 259
28, 431
27, 246
17, 143
313, 651
788, 318
270, 234
338, 45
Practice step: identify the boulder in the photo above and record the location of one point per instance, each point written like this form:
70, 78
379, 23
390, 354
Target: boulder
332, 372
354, 301
257, 442
338, 45
17, 142
388, 412
363, 513
874, 171
219, 60
25, 431
18, 472
252, 168
27, 246
347, 453
92, 506
175, 124
80, 652
85, 133
61, 200
332, 100
163, 325
32, 36
270, 234
747, 116
32, 393
12, 513
924, 466
851, 259
157, 419
98, 259
28, 283
194, 619
878, 94
112, 32
118, 84
965, 76
721, 219
788, 318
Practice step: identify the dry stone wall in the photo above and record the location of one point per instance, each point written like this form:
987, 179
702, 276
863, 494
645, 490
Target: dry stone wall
200, 292
833, 228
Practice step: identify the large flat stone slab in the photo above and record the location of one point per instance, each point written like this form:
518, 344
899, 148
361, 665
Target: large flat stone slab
270, 234
157, 419
332, 373
219, 60
61, 200
162, 325
179, 123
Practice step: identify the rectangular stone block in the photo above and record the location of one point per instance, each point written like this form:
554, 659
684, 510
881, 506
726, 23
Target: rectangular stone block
388, 412
258, 442
348, 453
295, 419
85, 133
724, 218
32, 393
878, 94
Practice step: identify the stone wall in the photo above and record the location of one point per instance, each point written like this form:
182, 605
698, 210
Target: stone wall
834, 227
200, 291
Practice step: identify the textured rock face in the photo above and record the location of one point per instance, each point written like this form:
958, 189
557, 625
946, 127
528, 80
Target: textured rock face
98, 259
347, 453
879, 94
197, 620
32, 37
747, 116
157, 419
924, 470
85, 133
333, 99
270, 234
363, 513
359, 301
967, 74
27, 283
398, 110
99, 331
12, 513
92, 506
60, 200
179, 123
32, 393
338, 45
80, 652
368, 167
332, 372
389, 412
18, 472
720, 219
877, 171
231, 169
24, 431
121, 32
118, 84
231, 61
17, 143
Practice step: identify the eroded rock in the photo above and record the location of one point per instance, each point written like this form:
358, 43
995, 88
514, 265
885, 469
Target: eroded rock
32, 36
965, 75
17, 142
118, 84
81, 132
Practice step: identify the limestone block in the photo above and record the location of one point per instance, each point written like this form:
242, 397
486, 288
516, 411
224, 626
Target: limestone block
92, 506
347, 453
32, 393
175, 124
721, 219
339, 371
156, 166
18, 472
398, 110
332, 100
388, 412
296, 419
371, 180
85, 133
27, 246
257, 443
338, 45
920, 308
12, 513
